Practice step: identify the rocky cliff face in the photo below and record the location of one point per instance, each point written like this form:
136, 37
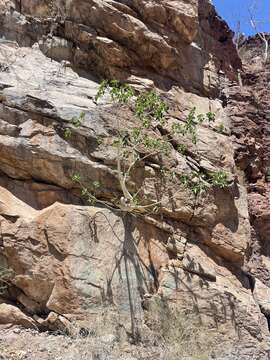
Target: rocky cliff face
204, 257
135, 41
249, 111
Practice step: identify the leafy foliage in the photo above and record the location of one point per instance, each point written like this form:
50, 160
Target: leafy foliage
119, 92
219, 179
182, 149
149, 106
145, 140
190, 126
67, 133
76, 121
89, 193
221, 128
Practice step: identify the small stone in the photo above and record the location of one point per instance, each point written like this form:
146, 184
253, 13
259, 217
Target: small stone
108, 339
17, 331
23, 354
42, 349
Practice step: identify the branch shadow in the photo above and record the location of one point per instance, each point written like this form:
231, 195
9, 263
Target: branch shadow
215, 306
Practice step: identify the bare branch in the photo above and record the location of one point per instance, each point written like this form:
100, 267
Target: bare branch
262, 35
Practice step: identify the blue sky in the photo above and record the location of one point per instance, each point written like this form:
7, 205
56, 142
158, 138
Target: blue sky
238, 10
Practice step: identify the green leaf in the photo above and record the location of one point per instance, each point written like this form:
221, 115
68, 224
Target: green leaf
76, 177
67, 133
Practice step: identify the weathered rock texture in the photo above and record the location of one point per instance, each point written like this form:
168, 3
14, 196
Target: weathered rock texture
130, 40
250, 113
73, 261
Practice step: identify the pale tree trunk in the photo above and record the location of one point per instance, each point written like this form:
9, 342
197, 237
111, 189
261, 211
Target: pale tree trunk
262, 35
266, 45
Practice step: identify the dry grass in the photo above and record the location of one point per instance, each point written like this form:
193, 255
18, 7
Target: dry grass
168, 334
180, 334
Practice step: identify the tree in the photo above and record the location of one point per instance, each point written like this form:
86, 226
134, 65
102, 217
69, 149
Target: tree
146, 141
250, 16
149, 140
255, 24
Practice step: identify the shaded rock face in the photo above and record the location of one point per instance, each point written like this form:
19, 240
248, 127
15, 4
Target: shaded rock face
72, 261
250, 108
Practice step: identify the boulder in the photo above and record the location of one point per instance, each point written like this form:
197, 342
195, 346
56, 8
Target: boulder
11, 315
